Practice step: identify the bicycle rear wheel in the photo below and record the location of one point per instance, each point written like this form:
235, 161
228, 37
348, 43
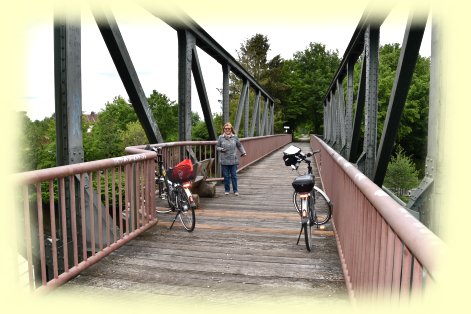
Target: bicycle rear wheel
322, 208
306, 222
187, 213
307, 235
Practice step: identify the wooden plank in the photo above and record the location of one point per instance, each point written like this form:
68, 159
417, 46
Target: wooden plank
242, 247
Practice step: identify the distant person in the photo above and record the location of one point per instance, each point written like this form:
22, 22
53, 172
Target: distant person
226, 145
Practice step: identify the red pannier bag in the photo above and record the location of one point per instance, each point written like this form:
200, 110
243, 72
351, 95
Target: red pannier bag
183, 171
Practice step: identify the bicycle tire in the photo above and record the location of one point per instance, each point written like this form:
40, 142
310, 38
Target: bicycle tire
186, 212
322, 208
306, 224
297, 202
163, 190
307, 235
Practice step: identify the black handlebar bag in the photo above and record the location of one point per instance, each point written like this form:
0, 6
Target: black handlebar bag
289, 155
303, 183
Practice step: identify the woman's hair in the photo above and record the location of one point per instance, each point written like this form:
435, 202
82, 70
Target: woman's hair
228, 125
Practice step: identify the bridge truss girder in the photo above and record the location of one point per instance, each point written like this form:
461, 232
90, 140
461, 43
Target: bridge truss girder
117, 48
195, 36
343, 134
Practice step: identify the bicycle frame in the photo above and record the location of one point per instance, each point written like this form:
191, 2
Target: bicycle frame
304, 206
172, 192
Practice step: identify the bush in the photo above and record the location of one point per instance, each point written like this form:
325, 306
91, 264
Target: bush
401, 174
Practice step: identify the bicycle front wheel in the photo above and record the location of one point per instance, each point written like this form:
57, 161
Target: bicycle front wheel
187, 212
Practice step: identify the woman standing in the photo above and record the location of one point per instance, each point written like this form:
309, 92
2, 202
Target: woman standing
226, 145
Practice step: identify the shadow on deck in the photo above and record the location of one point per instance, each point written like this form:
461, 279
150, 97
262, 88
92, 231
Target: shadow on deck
242, 249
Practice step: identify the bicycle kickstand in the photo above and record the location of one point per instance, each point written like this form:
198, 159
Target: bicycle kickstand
178, 212
299, 237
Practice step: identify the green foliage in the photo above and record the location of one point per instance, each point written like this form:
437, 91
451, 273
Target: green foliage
37, 143
308, 76
133, 135
104, 140
253, 57
412, 133
165, 113
199, 132
401, 174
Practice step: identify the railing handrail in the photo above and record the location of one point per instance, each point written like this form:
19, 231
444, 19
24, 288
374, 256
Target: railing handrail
253, 155
139, 148
422, 242
35, 176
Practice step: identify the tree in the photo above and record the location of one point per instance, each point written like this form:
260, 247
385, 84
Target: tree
200, 131
401, 174
104, 139
133, 135
38, 143
412, 132
165, 113
308, 76
253, 56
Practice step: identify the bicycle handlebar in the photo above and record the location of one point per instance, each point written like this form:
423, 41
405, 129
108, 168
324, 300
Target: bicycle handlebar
293, 156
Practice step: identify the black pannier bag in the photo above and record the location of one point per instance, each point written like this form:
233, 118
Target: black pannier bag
303, 183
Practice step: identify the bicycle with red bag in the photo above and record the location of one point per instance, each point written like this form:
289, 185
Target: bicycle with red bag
174, 185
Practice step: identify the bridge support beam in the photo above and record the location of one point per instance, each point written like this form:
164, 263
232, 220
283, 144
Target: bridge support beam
371, 99
358, 115
68, 113
427, 197
225, 92
68, 91
244, 94
122, 60
405, 69
186, 44
203, 96
69, 139
255, 116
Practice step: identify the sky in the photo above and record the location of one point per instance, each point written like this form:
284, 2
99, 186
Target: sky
152, 45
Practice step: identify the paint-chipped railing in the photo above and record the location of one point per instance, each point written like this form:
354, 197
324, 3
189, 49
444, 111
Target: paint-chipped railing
61, 235
256, 147
385, 252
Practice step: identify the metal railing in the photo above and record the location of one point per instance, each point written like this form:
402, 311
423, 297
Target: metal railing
73, 216
256, 147
63, 233
386, 253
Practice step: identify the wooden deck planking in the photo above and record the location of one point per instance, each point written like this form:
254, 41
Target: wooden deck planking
242, 247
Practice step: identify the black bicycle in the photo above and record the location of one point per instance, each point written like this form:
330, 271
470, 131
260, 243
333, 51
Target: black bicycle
312, 204
176, 190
